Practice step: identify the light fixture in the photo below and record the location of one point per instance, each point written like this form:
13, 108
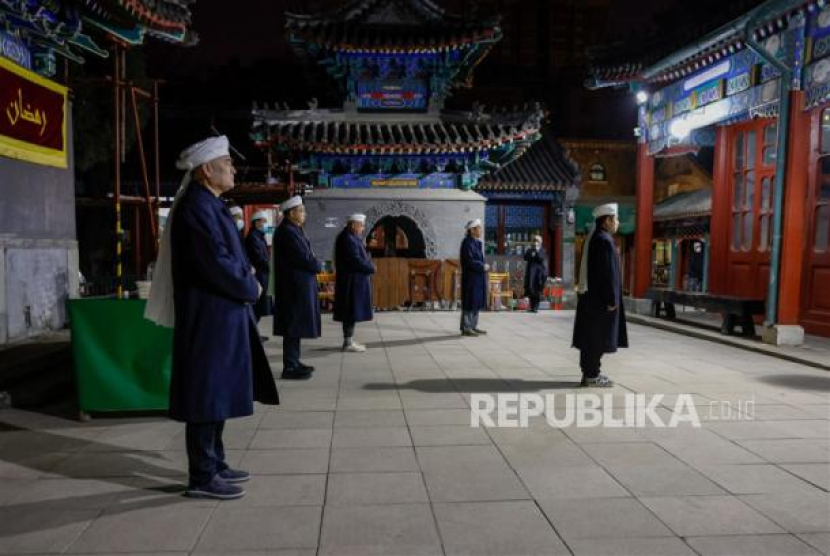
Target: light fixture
642, 97
680, 128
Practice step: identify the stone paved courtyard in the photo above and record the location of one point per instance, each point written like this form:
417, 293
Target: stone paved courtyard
376, 456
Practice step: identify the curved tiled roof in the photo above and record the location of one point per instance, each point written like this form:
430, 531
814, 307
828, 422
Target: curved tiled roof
689, 204
544, 166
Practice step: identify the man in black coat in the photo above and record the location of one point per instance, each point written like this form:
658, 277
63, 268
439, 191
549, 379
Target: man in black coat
219, 366
353, 287
600, 325
256, 247
296, 308
473, 279
536, 273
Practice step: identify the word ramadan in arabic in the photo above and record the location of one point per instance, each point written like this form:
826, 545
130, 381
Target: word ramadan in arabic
16, 112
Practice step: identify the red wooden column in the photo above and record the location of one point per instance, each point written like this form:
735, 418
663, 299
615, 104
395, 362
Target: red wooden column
644, 231
794, 226
719, 222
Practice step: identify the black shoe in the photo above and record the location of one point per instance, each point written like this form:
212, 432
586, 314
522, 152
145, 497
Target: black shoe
295, 374
305, 367
469, 332
264, 338
234, 475
216, 489
600, 381
479, 331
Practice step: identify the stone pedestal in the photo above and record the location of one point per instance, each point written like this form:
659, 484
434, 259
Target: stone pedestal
783, 335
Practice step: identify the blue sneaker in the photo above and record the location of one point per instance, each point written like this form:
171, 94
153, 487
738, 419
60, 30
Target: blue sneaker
234, 475
216, 489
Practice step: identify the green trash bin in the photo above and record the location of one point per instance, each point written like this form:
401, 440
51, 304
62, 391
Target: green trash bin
122, 360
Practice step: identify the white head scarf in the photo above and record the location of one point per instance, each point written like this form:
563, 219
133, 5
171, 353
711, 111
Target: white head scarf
160, 307
473, 224
602, 210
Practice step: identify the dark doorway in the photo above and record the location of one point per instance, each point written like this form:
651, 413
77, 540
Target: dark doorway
396, 236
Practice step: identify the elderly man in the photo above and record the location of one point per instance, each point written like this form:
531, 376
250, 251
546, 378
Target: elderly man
256, 248
297, 311
536, 273
353, 288
600, 316
473, 279
204, 287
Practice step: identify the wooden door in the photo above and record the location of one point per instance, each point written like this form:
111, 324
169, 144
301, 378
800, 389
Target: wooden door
816, 299
752, 181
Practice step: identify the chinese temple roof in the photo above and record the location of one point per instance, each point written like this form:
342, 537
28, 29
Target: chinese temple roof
713, 35
340, 132
162, 16
544, 166
391, 26
689, 204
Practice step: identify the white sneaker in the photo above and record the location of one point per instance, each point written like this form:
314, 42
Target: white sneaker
354, 347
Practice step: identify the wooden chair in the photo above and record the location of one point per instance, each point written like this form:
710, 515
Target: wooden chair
325, 288
499, 290
424, 276
451, 283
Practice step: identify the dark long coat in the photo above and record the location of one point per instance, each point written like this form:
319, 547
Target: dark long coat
473, 275
536, 271
256, 247
296, 309
596, 328
353, 287
219, 364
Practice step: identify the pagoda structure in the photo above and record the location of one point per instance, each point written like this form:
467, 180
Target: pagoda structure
391, 150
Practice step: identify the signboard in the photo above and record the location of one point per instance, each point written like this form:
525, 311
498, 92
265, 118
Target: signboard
438, 180
32, 117
13, 48
393, 182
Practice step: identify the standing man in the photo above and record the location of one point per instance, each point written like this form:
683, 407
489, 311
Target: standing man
204, 288
297, 311
473, 279
238, 219
353, 288
536, 273
256, 248
600, 316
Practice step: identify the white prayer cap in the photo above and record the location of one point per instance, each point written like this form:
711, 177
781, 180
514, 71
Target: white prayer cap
610, 209
537, 238
236, 211
361, 218
294, 201
203, 152
473, 224
259, 215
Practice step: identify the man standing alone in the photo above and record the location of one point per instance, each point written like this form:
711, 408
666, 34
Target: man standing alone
353, 288
204, 287
473, 279
296, 310
600, 316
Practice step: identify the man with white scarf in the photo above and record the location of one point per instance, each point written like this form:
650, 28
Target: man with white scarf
600, 316
203, 287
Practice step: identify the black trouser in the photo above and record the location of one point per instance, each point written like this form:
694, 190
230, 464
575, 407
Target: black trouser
205, 451
589, 362
348, 329
535, 298
291, 352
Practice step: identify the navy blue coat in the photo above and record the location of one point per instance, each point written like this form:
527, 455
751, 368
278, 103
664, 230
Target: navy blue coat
536, 271
296, 309
353, 287
256, 247
596, 328
473, 275
219, 365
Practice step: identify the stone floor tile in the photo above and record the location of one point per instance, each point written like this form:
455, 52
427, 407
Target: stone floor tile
760, 545
754, 478
470, 458
497, 529
433, 417
376, 436
297, 420
284, 490
69, 494
819, 541
790, 451
603, 518
816, 473
632, 454
393, 530
286, 460
797, 512
373, 459
233, 528
666, 546
363, 489
691, 516
449, 435
571, 482
663, 481
369, 418
291, 438
463, 485
37, 529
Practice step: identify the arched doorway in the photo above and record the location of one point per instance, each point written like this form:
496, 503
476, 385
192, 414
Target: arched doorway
396, 236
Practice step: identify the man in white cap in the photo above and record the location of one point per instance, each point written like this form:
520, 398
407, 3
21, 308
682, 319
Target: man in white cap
296, 309
536, 273
238, 218
600, 316
353, 288
203, 286
256, 247
473, 279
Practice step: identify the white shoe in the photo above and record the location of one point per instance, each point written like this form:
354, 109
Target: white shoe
354, 347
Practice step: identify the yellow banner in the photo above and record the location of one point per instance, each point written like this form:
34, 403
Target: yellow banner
32, 116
